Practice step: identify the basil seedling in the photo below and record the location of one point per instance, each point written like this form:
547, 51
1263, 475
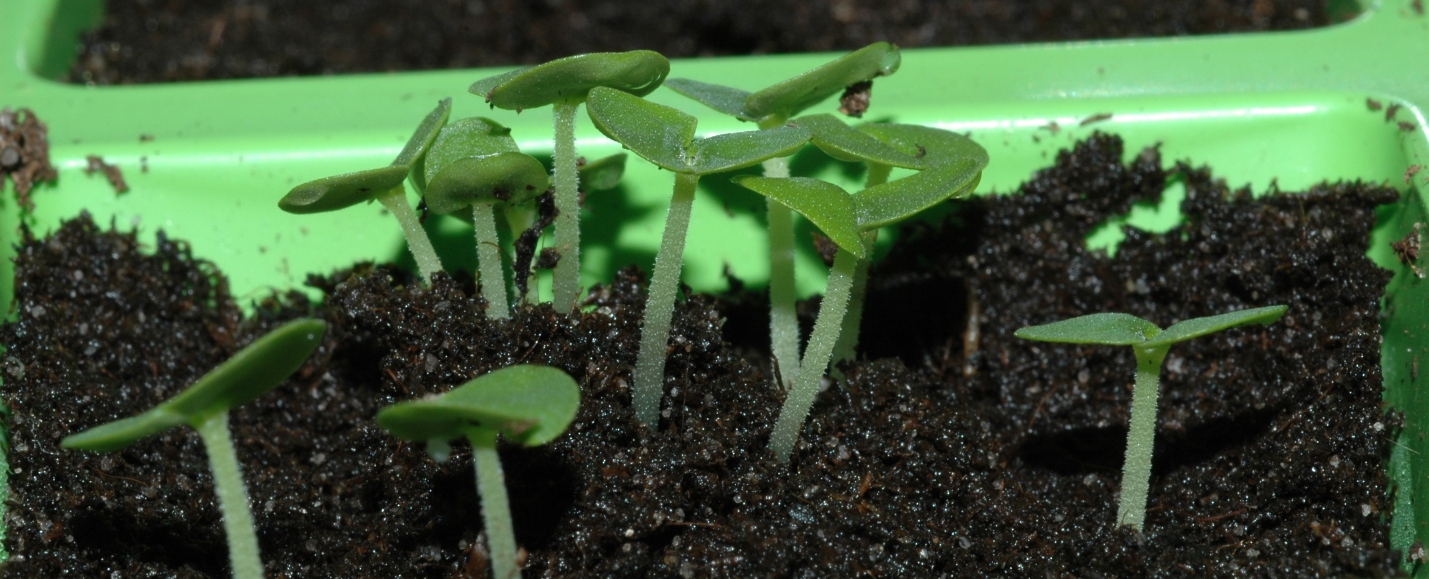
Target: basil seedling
529, 405
1150, 345
250, 373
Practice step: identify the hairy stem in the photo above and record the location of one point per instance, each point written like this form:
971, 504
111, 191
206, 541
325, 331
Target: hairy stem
417, 242
1136, 471
232, 498
816, 358
847, 346
488, 261
660, 305
566, 287
495, 508
783, 317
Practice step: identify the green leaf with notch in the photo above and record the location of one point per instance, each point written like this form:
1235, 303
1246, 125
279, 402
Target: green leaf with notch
510, 177
637, 72
530, 405
1193, 328
789, 97
252, 372
1103, 328
824, 204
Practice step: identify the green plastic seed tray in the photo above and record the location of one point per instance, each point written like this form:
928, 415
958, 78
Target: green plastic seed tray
1285, 107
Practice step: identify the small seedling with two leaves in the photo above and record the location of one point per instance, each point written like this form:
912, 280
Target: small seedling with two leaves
565, 83
666, 137
528, 405
250, 373
1150, 344
383, 185
771, 108
949, 166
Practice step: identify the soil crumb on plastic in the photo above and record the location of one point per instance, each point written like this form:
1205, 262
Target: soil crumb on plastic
24, 152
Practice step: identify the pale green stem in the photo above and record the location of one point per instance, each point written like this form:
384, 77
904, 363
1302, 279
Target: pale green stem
783, 315
1136, 470
566, 287
495, 507
488, 261
417, 242
660, 305
816, 358
232, 499
847, 347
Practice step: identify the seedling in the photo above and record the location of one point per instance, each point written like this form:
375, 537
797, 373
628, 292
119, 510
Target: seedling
770, 108
565, 83
250, 373
848, 220
383, 185
1150, 345
666, 137
529, 405
474, 164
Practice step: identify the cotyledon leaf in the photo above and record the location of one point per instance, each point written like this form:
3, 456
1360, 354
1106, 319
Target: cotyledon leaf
253, 371
1104, 328
637, 72
1188, 329
530, 405
894, 201
511, 177
824, 204
727, 100
845, 143
603, 173
732, 151
470, 137
425, 134
341, 191
788, 98
656, 132
931, 146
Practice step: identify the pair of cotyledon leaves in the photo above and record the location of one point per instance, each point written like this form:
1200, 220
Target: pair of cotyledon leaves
530, 405
1114, 329
472, 160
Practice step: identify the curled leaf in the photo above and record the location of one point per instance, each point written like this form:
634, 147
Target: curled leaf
788, 98
342, 191
637, 72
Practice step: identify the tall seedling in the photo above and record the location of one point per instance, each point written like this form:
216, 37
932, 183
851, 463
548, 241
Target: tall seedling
1151, 344
666, 137
250, 373
385, 186
770, 108
474, 165
565, 83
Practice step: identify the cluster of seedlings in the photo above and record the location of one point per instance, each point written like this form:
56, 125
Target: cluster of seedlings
473, 169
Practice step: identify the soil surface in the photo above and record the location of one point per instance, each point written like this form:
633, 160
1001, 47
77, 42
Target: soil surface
142, 41
954, 450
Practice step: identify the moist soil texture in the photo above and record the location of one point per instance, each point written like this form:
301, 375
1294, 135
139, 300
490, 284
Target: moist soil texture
954, 449
143, 41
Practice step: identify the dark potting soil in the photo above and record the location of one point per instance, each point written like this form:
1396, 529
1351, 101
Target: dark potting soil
968, 454
142, 41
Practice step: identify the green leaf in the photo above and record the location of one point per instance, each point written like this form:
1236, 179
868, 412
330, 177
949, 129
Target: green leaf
666, 137
1193, 328
656, 132
787, 98
1109, 329
732, 151
425, 134
342, 191
846, 143
530, 405
894, 201
602, 174
824, 204
727, 100
483, 87
932, 147
510, 177
471, 137
637, 72
250, 373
